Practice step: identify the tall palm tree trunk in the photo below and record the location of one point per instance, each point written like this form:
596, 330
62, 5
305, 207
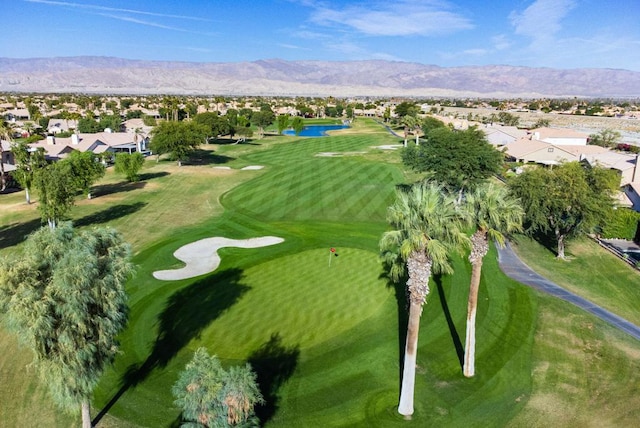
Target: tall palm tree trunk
409, 368
419, 269
86, 414
480, 247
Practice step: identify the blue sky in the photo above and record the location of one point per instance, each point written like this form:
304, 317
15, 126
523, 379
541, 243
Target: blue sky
535, 33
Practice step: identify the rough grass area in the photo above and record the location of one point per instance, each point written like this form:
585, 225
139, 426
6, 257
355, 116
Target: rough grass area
590, 272
325, 341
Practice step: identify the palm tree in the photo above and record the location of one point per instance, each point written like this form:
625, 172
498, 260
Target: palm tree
494, 214
409, 123
427, 227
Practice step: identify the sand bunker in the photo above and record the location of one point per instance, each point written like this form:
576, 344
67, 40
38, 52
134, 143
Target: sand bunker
389, 147
252, 167
202, 257
339, 154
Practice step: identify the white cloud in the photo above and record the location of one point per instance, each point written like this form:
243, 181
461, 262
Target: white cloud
401, 18
501, 42
152, 24
290, 46
541, 20
385, 56
113, 9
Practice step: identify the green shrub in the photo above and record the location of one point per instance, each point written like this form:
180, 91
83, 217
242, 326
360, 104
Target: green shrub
621, 223
129, 164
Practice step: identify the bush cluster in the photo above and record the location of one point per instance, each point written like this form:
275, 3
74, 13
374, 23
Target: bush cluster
622, 223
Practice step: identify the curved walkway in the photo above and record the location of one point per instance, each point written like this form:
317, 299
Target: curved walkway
391, 131
515, 268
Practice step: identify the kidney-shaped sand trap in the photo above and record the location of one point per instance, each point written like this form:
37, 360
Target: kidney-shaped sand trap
202, 257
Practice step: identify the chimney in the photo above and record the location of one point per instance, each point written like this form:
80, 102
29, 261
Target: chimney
75, 139
51, 140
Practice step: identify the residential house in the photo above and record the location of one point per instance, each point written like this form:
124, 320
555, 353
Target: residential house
57, 126
7, 158
500, 136
632, 191
560, 136
537, 151
16, 114
625, 163
98, 143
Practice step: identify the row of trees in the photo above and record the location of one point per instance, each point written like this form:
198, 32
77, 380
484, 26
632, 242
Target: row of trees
58, 183
428, 226
429, 220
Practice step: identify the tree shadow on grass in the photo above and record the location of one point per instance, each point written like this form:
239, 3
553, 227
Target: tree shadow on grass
402, 303
186, 314
207, 157
110, 189
236, 139
455, 337
547, 240
273, 363
151, 175
111, 213
15, 233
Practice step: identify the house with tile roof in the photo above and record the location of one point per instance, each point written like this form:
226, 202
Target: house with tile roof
500, 136
98, 143
537, 151
560, 136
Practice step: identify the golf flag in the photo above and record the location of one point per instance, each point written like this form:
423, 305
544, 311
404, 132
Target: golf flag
332, 252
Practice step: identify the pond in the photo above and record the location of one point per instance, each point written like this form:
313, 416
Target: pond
315, 130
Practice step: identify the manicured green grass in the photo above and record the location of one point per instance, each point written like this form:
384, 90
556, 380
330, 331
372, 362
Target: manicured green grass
590, 272
326, 341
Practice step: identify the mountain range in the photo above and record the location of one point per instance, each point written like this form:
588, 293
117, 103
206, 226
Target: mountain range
375, 78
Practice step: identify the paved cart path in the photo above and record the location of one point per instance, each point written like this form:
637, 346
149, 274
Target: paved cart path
516, 269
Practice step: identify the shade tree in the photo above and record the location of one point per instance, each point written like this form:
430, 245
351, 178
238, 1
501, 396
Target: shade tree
56, 191
85, 169
28, 162
564, 201
282, 122
129, 164
459, 160
178, 139
263, 118
605, 138
297, 124
64, 297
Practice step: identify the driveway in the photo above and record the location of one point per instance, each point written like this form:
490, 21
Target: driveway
515, 268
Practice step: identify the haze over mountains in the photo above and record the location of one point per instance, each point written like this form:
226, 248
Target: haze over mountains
108, 75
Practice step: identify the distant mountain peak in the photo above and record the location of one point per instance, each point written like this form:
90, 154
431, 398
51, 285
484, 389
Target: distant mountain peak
276, 76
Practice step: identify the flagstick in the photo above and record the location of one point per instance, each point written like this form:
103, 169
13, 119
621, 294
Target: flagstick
330, 254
